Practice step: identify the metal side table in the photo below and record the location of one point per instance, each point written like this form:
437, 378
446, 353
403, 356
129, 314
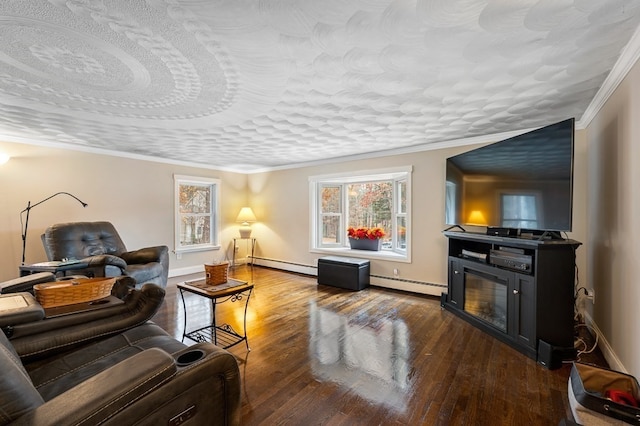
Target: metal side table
222, 335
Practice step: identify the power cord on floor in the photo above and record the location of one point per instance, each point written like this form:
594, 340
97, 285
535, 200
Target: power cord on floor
576, 314
579, 340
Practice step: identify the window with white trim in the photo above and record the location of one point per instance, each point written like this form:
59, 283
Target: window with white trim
378, 198
197, 213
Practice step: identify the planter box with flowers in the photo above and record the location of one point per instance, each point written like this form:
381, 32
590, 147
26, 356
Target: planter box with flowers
363, 238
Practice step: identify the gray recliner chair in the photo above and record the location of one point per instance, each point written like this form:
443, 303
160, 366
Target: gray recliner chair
34, 336
99, 245
104, 367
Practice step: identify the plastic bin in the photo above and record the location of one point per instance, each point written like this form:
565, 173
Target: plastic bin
599, 396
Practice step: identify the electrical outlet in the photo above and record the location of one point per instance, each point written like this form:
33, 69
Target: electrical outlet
396, 272
591, 295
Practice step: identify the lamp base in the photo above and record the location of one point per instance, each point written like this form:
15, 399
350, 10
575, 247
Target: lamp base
245, 232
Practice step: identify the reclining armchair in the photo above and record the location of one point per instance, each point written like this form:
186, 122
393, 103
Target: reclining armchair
98, 245
69, 371
33, 338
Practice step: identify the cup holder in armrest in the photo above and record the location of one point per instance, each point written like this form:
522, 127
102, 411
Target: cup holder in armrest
190, 357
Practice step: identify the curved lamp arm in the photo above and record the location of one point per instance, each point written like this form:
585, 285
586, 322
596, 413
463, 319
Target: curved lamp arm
28, 209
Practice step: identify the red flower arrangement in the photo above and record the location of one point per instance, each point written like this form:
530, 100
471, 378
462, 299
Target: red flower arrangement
365, 233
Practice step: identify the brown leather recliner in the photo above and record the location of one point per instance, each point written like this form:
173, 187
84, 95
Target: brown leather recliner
66, 371
99, 245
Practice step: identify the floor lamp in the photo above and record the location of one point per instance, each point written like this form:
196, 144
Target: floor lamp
28, 209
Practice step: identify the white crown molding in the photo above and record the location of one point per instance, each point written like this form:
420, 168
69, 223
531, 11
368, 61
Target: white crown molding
628, 57
112, 153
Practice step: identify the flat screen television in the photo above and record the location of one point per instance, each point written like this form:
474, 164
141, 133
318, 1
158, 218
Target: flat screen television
523, 184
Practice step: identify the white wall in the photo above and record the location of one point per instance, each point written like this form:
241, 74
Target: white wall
614, 222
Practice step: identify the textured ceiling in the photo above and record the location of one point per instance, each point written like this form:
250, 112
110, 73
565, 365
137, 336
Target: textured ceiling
253, 85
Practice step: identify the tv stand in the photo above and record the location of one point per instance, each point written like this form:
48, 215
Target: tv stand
521, 291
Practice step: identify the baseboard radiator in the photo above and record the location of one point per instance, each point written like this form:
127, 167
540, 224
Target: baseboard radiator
395, 283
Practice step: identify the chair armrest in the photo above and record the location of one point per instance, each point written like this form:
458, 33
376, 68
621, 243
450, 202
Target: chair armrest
152, 388
18, 308
108, 392
104, 260
40, 339
145, 255
26, 283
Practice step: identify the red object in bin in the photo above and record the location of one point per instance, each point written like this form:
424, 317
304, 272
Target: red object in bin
621, 397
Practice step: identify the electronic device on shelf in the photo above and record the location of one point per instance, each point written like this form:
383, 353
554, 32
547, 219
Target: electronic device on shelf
502, 232
511, 258
468, 254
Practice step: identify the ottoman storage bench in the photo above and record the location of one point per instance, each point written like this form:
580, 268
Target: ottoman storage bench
343, 272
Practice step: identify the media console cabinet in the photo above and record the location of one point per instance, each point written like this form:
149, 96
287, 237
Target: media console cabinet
518, 290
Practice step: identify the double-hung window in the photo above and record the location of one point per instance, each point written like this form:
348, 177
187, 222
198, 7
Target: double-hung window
377, 198
197, 213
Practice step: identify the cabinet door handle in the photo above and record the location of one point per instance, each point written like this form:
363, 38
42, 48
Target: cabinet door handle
516, 291
456, 272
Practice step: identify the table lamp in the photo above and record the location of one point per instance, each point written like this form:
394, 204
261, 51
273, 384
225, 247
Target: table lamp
246, 216
476, 218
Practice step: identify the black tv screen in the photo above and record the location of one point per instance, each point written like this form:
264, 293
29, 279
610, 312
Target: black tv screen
522, 183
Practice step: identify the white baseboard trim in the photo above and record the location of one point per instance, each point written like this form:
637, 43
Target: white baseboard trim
412, 286
605, 347
298, 268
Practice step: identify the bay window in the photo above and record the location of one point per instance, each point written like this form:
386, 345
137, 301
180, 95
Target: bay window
379, 198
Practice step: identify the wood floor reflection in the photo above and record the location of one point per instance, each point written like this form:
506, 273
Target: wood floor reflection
324, 356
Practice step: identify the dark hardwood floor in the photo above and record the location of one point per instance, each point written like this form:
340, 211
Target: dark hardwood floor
325, 356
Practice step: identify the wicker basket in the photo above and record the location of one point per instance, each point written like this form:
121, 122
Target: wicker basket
216, 274
70, 292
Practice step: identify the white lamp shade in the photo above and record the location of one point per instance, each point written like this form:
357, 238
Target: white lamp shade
246, 216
